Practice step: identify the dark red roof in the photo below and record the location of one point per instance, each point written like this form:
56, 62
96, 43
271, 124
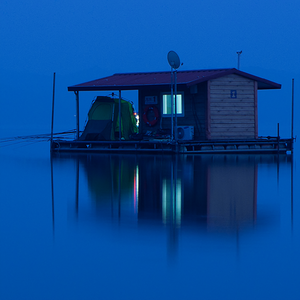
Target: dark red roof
135, 81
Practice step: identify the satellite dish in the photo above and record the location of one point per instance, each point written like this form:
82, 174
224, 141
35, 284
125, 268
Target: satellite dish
173, 60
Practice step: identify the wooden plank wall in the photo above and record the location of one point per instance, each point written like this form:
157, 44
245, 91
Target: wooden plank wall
230, 117
195, 111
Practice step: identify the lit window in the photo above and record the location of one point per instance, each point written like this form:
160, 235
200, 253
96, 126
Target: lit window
166, 102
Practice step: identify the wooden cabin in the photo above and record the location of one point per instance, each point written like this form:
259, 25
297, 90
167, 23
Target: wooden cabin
217, 104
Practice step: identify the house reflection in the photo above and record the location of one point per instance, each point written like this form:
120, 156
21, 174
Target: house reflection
232, 192
200, 193
213, 191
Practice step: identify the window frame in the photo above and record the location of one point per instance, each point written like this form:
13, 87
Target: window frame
179, 115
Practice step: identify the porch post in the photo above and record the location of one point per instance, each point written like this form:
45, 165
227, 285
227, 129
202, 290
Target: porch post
120, 115
77, 114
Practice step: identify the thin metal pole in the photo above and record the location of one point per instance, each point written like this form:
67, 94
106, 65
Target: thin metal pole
292, 133
120, 116
172, 125
239, 53
52, 120
77, 114
175, 84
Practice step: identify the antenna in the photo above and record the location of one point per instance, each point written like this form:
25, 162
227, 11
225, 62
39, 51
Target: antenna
173, 60
239, 53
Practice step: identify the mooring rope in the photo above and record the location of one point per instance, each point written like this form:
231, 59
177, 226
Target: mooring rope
9, 141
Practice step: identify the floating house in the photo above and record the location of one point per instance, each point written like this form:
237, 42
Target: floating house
213, 111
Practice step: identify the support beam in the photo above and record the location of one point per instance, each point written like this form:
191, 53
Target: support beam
77, 114
120, 117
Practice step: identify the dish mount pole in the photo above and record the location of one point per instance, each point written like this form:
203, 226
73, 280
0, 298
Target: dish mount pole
175, 85
172, 105
174, 62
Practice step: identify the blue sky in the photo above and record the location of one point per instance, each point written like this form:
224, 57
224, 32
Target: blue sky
85, 40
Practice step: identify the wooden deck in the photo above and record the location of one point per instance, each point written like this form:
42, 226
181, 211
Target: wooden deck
262, 145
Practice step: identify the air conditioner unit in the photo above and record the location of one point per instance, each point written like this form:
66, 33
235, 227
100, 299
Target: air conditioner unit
185, 133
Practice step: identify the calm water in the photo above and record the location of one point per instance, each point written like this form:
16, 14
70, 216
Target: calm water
148, 227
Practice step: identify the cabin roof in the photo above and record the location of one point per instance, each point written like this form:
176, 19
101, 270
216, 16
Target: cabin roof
136, 81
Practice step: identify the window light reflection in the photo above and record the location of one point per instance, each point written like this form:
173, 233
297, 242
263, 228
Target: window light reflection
171, 208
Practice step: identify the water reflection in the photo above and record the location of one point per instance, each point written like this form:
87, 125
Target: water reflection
214, 192
177, 227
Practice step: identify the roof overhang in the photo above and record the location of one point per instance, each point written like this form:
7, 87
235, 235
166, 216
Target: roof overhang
138, 81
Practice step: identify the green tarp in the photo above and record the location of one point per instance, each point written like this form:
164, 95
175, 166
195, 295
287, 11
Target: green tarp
103, 120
